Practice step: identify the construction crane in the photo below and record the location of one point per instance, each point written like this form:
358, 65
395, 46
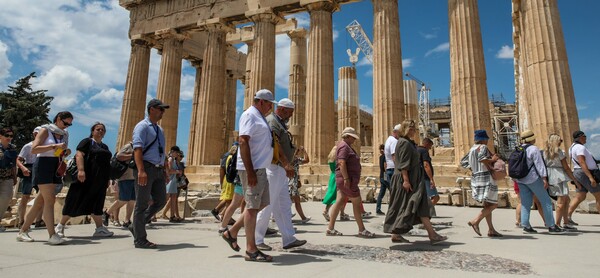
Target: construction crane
358, 35
424, 124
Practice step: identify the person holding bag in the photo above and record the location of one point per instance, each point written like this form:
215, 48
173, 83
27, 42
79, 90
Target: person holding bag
584, 168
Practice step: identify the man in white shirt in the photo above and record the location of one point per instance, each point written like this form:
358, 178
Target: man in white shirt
584, 165
388, 151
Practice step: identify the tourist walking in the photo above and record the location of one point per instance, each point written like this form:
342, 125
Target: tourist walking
300, 157
25, 162
87, 194
430, 187
175, 171
126, 188
278, 172
8, 175
535, 183
331, 194
347, 177
388, 151
584, 166
150, 174
50, 145
227, 188
238, 194
483, 186
255, 155
409, 204
559, 175
382, 179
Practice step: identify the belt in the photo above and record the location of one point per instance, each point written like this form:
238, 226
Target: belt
153, 165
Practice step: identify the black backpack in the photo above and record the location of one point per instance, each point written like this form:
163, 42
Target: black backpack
117, 168
517, 163
231, 168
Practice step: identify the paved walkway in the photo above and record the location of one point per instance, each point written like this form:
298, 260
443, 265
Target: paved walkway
194, 249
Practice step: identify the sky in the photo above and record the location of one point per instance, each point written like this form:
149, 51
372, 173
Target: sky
80, 50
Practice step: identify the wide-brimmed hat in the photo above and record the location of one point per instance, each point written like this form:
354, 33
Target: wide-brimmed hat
527, 136
481, 135
349, 131
265, 94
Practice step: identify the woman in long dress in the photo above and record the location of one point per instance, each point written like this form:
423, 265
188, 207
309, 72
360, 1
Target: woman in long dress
331, 194
409, 204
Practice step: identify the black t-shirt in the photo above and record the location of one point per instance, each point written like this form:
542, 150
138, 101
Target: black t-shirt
381, 166
425, 157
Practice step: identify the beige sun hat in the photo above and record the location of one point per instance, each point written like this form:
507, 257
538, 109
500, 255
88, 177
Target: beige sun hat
349, 131
527, 136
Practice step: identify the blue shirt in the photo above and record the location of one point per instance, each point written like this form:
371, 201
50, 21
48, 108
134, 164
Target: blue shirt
143, 135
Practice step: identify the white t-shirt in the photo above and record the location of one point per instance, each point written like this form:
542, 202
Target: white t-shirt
579, 149
27, 155
388, 150
254, 125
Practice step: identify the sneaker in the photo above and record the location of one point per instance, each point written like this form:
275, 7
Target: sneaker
379, 212
264, 247
55, 240
529, 230
305, 220
296, 243
60, 230
102, 232
556, 230
572, 223
24, 237
569, 228
270, 232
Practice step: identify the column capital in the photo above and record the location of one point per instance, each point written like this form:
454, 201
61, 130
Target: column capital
264, 15
297, 33
216, 24
170, 33
320, 5
196, 63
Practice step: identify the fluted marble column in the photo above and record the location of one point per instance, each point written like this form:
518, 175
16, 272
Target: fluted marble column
519, 71
169, 83
134, 99
229, 109
320, 116
468, 88
348, 110
549, 88
388, 96
297, 84
263, 56
209, 123
193, 138
248, 94
411, 105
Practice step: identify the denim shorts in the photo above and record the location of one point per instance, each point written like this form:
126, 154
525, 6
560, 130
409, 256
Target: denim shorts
26, 185
586, 185
430, 192
126, 190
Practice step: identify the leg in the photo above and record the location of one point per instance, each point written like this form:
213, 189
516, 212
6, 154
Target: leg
282, 204
539, 208
579, 197
230, 210
173, 204
337, 207
142, 194
36, 209
526, 201
381, 194
358, 210
250, 228
546, 203
561, 205
129, 210
22, 208
262, 223
597, 196
49, 195
490, 207
298, 206
518, 211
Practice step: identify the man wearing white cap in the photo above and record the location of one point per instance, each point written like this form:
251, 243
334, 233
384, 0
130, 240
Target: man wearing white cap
281, 205
25, 162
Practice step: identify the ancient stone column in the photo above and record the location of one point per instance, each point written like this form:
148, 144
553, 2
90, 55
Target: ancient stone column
169, 83
262, 67
348, 110
248, 95
297, 87
136, 86
519, 71
549, 88
209, 122
411, 104
193, 138
320, 119
388, 96
229, 104
468, 88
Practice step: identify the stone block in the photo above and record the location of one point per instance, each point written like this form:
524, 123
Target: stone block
472, 202
458, 199
588, 206
205, 203
445, 199
513, 199
503, 199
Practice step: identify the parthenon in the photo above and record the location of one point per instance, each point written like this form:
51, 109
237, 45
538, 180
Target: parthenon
204, 32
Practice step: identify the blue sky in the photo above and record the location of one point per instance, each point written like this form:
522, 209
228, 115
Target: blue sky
80, 52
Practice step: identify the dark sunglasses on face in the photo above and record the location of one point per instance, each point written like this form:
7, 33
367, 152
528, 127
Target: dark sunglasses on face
66, 123
8, 135
159, 108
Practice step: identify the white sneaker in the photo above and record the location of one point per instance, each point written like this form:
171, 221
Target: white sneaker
24, 237
55, 240
305, 220
60, 230
103, 232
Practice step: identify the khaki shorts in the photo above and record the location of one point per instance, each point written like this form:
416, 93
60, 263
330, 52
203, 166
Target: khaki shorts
257, 196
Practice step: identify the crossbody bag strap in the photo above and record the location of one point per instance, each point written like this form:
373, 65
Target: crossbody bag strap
571, 155
148, 147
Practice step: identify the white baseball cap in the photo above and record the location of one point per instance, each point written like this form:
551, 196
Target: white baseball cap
287, 103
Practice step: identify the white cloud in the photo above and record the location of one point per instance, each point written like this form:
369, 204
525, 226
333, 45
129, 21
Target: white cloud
505, 52
444, 47
432, 35
5, 64
188, 82
363, 61
592, 128
111, 95
407, 63
593, 144
590, 125
282, 63
366, 108
65, 84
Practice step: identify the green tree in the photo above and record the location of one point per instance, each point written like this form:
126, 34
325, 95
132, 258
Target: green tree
23, 109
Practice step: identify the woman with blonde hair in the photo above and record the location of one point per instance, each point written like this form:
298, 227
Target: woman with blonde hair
559, 175
330, 195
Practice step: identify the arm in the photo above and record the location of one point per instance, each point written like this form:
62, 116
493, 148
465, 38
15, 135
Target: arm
569, 172
37, 146
80, 166
22, 167
540, 166
139, 164
289, 170
429, 172
406, 181
306, 159
221, 174
344, 171
244, 149
586, 170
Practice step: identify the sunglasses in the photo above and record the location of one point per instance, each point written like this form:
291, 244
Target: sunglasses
8, 135
159, 108
67, 124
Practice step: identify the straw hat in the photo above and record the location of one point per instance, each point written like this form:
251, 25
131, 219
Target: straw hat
349, 131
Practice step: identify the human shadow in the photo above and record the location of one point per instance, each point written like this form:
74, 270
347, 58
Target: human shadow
177, 246
423, 245
296, 259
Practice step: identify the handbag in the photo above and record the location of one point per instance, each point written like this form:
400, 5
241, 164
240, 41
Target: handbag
183, 182
596, 174
498, 170
71, 173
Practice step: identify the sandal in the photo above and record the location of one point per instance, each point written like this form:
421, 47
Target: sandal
116, 223
230, 240
475, 228
344, 217
495, 234
257, 256
399, 239
326, 216
333, 232
366, 234
437, 239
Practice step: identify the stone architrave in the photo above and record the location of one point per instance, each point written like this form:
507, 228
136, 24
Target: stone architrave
169, 83
348, 110
468, 89
297, 84
209, 122
388, 96
136, 86
262, 66
549, 87
229, 104
320, 116
193, 138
